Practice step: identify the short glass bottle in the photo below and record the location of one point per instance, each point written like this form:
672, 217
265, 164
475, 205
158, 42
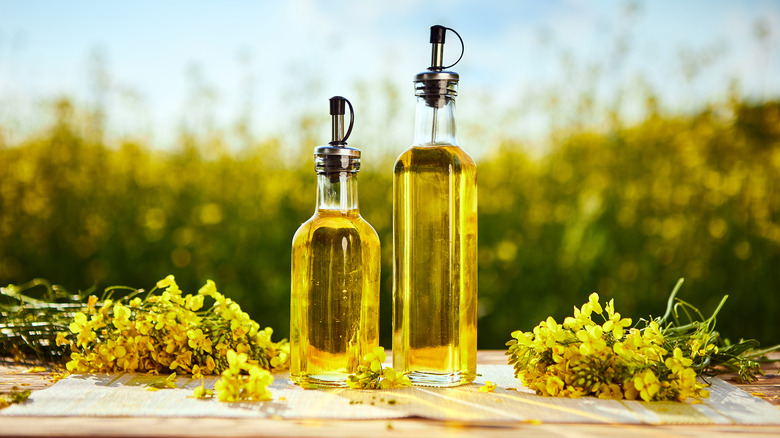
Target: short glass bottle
334, 317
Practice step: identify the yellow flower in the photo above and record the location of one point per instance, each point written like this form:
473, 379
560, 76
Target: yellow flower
144, 326
236, 361
610, 391
226, 387
488, 387
209, 289
79, 322
371, 375
121, 317
106, 306
238, 330
91, 301
61, 339
678, 363
592, 340
377, 353
555, 332
202, 393
391, 379
615, 325
166, 320
77, 364
233, 386
572, 323
553, 386
593, 300
229, 310
257, 384
193, 303
584, 312
198, 340
172, 295
647, 385
183, 360
83, 329
210, 365
522, 337
166, 282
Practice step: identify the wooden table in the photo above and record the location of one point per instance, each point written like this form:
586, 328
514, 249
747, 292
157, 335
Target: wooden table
767, 387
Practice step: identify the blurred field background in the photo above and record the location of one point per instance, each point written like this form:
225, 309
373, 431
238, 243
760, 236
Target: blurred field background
621, 194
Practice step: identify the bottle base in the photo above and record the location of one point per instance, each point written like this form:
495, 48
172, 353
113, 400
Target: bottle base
420, 378
321, 380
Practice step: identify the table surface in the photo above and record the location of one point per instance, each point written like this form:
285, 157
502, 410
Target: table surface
767, 388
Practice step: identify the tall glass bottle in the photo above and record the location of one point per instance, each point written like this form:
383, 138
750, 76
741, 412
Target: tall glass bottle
435, 240
334, 318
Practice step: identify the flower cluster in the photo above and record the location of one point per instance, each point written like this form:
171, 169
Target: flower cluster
242, 380
371, 375
169, 331
608, 360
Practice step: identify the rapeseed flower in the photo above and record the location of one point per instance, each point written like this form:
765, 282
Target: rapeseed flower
372, 375
609, 359
169, 332
488, 386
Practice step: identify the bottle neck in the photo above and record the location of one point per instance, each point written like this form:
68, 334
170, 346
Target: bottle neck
434, 126
337, 192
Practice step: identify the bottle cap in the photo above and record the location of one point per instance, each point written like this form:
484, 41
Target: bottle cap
336, 156
437, 82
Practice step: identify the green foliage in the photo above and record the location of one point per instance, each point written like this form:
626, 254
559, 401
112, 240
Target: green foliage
624, 213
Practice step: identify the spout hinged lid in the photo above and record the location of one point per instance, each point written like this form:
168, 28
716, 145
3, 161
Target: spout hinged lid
336, 156
438, 71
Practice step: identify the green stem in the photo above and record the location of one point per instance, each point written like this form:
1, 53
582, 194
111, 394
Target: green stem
670, 302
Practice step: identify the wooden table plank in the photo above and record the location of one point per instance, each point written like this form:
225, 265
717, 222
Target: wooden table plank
226, 427
767, 387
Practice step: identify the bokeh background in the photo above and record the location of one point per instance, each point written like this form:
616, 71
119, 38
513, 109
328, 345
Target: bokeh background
620, 146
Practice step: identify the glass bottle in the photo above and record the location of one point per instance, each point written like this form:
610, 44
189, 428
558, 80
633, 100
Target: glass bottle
435, 239
334, 318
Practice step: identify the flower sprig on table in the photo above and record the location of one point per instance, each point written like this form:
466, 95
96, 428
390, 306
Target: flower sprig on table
372, 375
242, 380
163, 331
167, 332
14, 396
656, 359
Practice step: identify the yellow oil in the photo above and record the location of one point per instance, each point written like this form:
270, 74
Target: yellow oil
335, 297
435, 266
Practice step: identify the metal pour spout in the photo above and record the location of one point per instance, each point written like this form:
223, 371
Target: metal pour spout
337, 111
436, 85
336, 158
438, 33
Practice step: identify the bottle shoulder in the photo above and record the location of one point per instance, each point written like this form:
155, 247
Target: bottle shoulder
431, 157
336, 225
367, 230
303, 232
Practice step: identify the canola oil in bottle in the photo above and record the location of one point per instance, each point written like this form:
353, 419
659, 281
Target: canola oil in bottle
334, 318
435, 239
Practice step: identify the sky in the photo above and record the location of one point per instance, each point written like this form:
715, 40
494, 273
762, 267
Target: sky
158, 66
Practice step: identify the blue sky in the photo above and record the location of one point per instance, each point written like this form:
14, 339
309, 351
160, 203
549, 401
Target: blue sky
284, 59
